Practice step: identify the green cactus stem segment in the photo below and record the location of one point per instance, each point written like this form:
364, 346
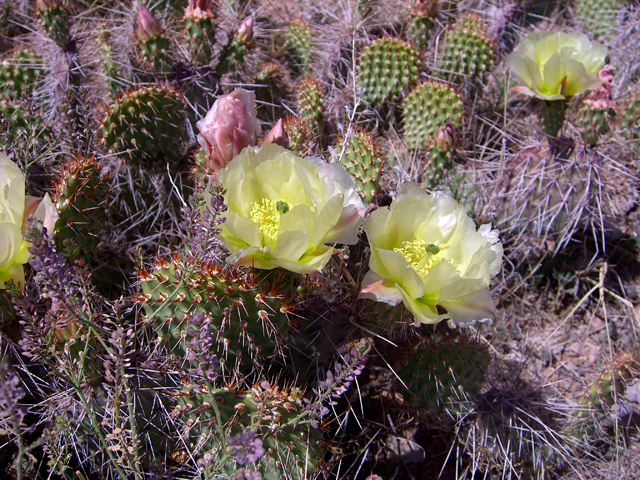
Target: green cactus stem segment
552, 115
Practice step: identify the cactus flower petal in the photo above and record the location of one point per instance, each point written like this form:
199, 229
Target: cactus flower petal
426, 252
15, 206
283, 211
231, 125
556, 65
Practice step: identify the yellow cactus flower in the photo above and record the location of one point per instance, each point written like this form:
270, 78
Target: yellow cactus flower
556, 65
285, 211
427, 254
15, 206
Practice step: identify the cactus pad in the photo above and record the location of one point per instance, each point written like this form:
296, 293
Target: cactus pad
362, 157
426, 109
466, 50
599, 17
299, 47
146, 125
18, 71
250, 318
444, 374
80, 202
309, 95
385, 68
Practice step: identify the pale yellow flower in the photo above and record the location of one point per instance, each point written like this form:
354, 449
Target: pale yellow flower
427, 254
285, 211
556, 65
15, 206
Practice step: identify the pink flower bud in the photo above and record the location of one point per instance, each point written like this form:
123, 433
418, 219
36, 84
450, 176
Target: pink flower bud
600, 97
148, 25
278, 135
245, 30
198, 9
445, 138
229, 126
425, 8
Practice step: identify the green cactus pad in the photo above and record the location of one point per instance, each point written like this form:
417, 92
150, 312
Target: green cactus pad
631, 118
146, 126
251, 318
232, 55
81, 195
443, 373
299, 47
55, 23
594, 122
385, 68
600, 17
362, 157
270, 89
419, 32
298, 134
109, 66
466, 50
272, 411
26, 123
18, 71
309, 96
438, 164
157, 53
426, 109
201, 37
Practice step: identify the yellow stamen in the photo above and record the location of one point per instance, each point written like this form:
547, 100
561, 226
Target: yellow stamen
266, 213
419, 256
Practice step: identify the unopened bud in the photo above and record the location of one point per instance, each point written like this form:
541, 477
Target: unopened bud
425, 8
245, 30
278, 135
600, 98
148, 25
445, 138
199, 9
229, 126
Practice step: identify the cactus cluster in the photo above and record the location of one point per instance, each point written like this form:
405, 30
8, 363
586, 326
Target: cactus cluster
22, 69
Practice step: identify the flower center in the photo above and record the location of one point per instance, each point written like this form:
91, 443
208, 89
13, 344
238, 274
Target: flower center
419, 256
266, 213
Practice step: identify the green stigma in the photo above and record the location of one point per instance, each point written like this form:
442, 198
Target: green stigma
282, 207
432, 249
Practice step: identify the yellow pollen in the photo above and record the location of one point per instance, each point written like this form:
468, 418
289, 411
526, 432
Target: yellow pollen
420, 256
266, 213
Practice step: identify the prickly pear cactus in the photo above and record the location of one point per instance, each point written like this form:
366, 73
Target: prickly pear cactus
156, 50
361, 155
439, 158
200, 30
600, 17
81, 195
444, 373
385, 68
426, 109
309, 95
108, 64
54, 20
466, 50
250, 318
594, 122
299, 47
603, 392
292, 446
552, 115
270, 88
26, 123
236, 49
298, 134
631, 117
20, 70
422, 15
146, 125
